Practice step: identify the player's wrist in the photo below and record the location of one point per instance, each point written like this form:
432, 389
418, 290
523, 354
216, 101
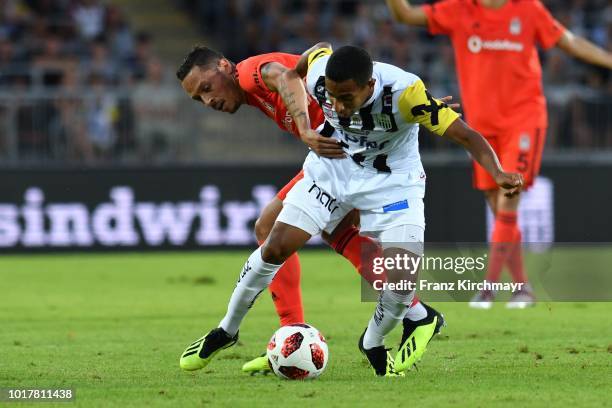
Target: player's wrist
499, 176
303, 131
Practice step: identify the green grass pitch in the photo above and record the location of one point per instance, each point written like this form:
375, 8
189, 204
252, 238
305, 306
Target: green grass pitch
113, 327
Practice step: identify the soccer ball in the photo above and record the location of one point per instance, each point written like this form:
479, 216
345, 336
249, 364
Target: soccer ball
297, 352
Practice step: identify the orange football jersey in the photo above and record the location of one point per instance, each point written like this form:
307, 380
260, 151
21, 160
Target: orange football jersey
499, 71
271, 103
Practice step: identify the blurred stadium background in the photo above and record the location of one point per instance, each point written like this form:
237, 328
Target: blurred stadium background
100, 147
101, 150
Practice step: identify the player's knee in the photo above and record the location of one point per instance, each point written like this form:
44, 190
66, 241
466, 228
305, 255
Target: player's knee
275, 252
504, 203
266, 219
327, 238
491, 197
262, 229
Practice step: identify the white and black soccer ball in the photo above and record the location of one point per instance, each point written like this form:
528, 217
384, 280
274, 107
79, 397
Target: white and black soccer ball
298, 352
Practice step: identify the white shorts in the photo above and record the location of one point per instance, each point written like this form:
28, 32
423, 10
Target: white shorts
361, 187
409, 237
313, 222
384, 200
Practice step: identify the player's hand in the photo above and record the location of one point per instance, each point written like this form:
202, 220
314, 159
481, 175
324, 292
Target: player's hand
453, 106
323, 146
513, 182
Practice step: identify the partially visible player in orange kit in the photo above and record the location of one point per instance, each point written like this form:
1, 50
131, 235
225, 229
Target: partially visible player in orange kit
500, 79
208, 77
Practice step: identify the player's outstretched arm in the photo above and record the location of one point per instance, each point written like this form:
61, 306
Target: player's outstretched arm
482, 152
416, 105
585, 50
403, 12
289, 84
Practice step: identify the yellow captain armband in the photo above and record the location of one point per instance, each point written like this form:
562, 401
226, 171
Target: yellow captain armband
318, 53
418, 106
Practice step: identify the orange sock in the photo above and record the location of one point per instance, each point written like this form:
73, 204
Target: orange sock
287, 293
359, 250
501, 243
515, 260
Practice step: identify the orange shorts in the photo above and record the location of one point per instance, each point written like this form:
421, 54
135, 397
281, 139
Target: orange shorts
518, 152
283, 191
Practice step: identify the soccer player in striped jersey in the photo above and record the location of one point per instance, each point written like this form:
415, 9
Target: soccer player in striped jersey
211, 79
373, 110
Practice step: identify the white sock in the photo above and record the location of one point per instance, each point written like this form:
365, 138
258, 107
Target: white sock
389, 311
416, 312
256, 275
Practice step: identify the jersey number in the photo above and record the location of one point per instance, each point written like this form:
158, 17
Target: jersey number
432, 108
380, 162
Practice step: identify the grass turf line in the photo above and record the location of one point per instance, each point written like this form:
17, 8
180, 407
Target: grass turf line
113, 327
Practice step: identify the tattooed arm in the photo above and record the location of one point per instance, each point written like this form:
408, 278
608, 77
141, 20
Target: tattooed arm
288, 83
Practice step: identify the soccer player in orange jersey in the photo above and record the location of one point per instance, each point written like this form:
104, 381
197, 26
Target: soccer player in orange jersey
500, 79
211, 79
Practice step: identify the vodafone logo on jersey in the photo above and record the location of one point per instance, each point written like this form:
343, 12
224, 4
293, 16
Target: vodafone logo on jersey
476, 44
515, 26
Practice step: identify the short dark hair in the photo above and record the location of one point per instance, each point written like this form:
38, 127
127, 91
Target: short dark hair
350, 62
198, 56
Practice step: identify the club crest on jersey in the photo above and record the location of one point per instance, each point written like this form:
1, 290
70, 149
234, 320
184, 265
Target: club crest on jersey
515, 26
524, 142
383, 121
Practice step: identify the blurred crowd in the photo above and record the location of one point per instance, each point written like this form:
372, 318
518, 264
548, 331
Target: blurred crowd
78, 83
579, 95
